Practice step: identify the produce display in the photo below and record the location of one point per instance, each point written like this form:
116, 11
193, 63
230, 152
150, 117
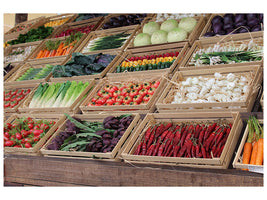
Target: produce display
160, 17
84, 29
85, 16
8, 68
188, 140
106, 42
81, 65
253, 148
124, 20
168, 31
220, 88
57, 22
21, 27
147, 62
59, 48
25, 132
36, 73
124, 94
13, 97
57, 94
227, 54
18, 54
235, 23
87, 136
32, 35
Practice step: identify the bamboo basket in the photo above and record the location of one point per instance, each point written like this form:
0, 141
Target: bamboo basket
262, 101
93, 76
163, 104
34, 23
141, 109
107, 18
190, 39
33, 56
237, 163
185, 65
72, 109
89, 155
222, 162
181, 47
102, 33
14, 87
23, 68
9, 49
238, 36
34, 150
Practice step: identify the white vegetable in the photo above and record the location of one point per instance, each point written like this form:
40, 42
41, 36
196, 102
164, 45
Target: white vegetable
217, 75
230, 85
195, 81
230, 77
246, 89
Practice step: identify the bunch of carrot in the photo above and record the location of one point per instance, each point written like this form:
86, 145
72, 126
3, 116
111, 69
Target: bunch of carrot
59, 48
253, 148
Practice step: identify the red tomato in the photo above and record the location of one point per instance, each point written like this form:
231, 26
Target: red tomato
6, 134
137, 99
138, 87
18, 146
155, 84
28, 145
133, 93
147, 98
151, 91
119, 99
18, 136
101, 101
110, 101
127, 99
113, 89
143, 92
9, 143
117, 93
30, 126
125, 92
101, 92
146, 85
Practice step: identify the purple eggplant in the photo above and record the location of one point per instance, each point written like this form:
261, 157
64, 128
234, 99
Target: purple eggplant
228, 19
253, 22
209, 34
217, 19
256, 28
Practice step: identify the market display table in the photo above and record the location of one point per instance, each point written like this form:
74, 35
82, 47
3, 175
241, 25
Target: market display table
51, 171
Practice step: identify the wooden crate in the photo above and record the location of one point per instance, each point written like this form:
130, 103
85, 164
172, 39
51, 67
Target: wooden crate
190, 39
102, 33
96, 20
243, 106
238, 36
200, 44
93, 21
9, 49
23, 68
222, 162
34, 23
93, 76
141, 109
34, 150
181, 47
33, 56
107, 18
18, 86
237, 163
72, 109
262, 101
89, 155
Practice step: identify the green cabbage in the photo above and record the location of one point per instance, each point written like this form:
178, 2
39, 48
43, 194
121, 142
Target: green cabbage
151, 27
187, 23
176, 35
159, 37
168, 25
142, 39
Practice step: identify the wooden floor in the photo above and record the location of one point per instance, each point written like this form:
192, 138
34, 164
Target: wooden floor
49, 171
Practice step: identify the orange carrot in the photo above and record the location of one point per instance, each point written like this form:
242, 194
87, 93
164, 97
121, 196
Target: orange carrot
53, 53
43, 54
254, 153
68, 50
46, 53
259, 157
39, 54
248, 145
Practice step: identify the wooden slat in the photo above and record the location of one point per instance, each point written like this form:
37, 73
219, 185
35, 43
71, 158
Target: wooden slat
65, 172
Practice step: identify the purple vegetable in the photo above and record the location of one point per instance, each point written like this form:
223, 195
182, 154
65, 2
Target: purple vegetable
243, 30
222, 32
239, 17
228, 31
114, 141
261, 17
241, 23
251, 16
253, 22
105, 59
217, 27
209, 34
228, 26
106, 141
217, 19
228, 19
256, 28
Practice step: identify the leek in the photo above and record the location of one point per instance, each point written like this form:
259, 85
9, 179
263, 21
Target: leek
61, 95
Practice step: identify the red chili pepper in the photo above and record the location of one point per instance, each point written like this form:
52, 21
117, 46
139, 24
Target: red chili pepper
150, 150
164, 134
159, 130
198, 130
138, 149
217, 133
208, 141
168, 149
203, 151
230, 125
148, 133
189, 144
220, 151
220, 135
161, 148
169, 125
175, 150
193, 151
182, 151
143, 149
198, 151
150, 141
209, 130
213, 150
177, 137
208, 154
157, 147
201, 135
184, 134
